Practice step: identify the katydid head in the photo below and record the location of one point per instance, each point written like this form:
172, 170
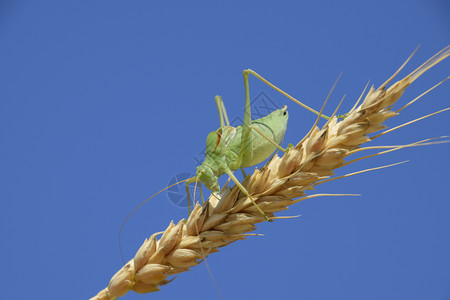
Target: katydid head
206, 175
214, 156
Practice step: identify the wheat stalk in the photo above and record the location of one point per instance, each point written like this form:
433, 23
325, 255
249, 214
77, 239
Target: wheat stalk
274, 187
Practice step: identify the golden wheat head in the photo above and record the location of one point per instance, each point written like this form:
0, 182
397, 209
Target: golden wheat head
280, 183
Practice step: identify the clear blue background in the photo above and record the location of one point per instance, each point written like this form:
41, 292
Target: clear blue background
103, 102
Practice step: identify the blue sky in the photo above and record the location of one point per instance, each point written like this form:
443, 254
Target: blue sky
102, 103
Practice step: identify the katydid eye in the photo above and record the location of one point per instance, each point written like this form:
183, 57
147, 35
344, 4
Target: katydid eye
284, 113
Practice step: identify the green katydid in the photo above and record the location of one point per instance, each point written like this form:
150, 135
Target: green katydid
231, 148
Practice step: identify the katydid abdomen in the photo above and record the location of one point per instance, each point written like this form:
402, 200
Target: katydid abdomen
272, 126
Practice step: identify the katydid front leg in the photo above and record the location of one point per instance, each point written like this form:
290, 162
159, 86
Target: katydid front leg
188, 193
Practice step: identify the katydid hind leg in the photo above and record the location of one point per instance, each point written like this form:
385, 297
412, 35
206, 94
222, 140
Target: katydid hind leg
246, 142
249, 71
247, 112
246, 150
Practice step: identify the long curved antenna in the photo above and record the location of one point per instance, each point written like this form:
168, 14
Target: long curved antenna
126, 219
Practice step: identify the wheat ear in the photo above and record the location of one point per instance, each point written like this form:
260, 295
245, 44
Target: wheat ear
219, 223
